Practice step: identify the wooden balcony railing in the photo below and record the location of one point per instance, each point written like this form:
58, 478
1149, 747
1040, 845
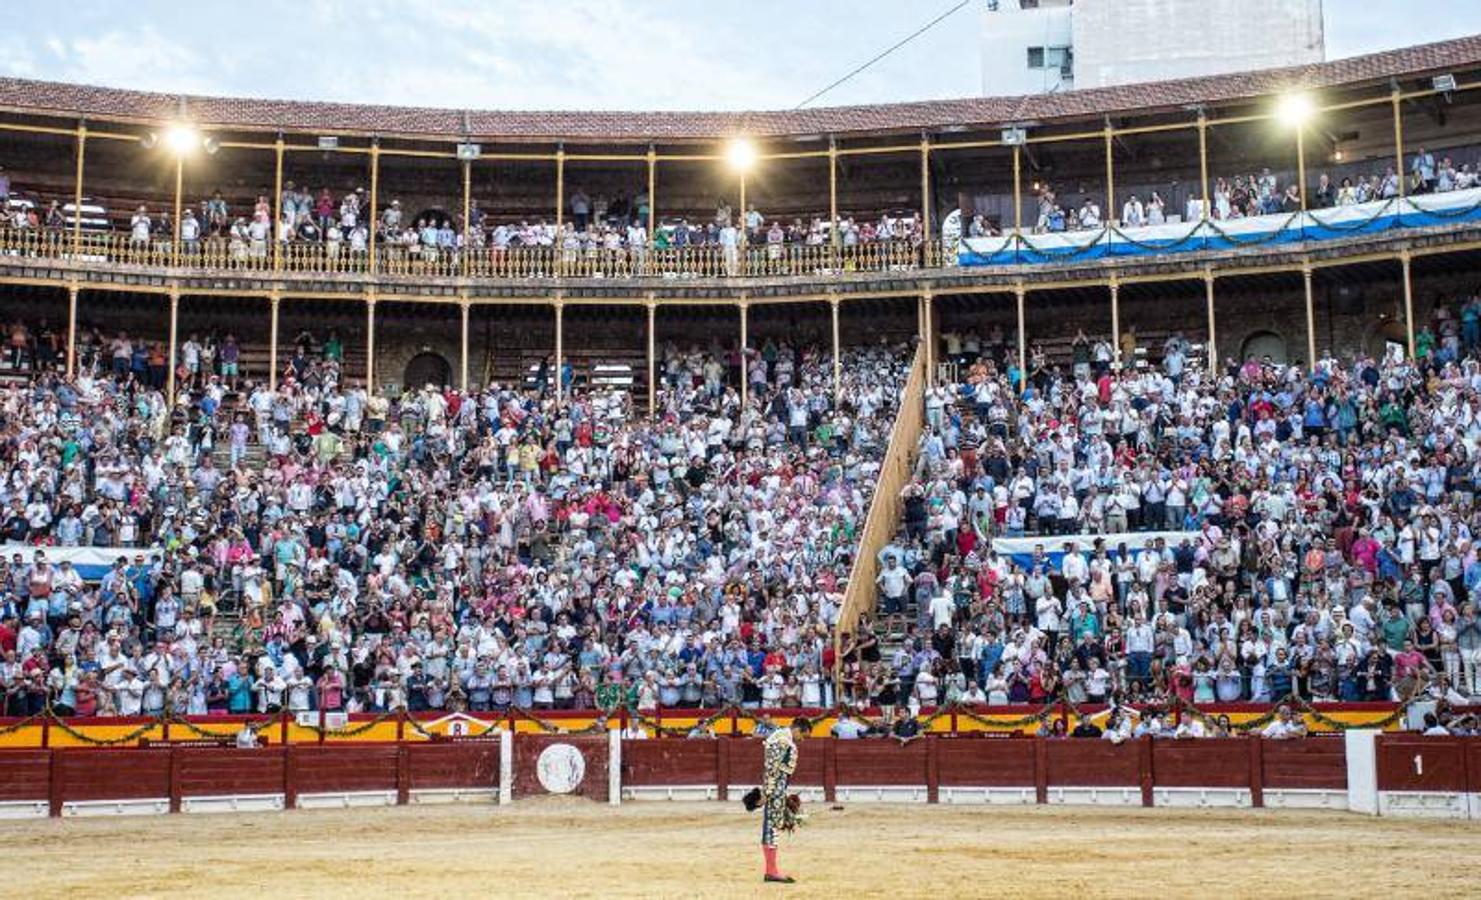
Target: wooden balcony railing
396, 260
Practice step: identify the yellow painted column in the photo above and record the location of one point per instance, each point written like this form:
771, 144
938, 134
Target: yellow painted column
1116, 322
1310, 317
1301, 162
370, 343
174, 343
560, 219
375, 184
77, 197
1213, 342
837, 352
833, 237
1208, 201
273, 299
652, 197
1399, 146
925, 189
1018, 191
467, 228
1113, 216
463, 305
72, 292
277, 204
742, 239
1404, 263
175, 236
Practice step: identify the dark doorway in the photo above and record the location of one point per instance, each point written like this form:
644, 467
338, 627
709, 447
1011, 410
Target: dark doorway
427, 368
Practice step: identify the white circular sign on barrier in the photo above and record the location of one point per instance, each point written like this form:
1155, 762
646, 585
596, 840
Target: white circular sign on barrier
560, 768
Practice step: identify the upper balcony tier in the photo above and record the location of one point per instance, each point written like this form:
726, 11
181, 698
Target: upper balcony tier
1355, 156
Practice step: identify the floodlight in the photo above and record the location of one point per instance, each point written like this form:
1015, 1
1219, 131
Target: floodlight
741, 154
1295, 110
182, 138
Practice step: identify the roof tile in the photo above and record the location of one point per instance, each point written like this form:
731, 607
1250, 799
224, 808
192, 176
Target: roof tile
42, 97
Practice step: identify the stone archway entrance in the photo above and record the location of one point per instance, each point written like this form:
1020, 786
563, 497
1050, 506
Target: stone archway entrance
1261, 344
427, 368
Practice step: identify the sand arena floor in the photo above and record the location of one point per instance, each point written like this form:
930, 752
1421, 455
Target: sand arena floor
564, 847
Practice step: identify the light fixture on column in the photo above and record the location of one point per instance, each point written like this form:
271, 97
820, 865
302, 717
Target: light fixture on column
1295, 109
740, 154
182, 138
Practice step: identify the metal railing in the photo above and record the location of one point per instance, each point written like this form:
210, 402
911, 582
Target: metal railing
224, 253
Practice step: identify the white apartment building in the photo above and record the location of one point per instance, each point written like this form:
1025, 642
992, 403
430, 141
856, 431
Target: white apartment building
1045, 46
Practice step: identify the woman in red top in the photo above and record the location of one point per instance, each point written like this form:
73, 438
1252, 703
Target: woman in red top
86, 695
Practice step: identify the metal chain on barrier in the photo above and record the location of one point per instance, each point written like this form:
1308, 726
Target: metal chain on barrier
603, 722
1268, 238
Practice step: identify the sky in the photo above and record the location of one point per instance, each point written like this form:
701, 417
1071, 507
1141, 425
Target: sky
559, 54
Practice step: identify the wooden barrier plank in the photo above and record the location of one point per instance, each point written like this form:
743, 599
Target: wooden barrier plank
669, 762
1418, 763
25, 775
1082, 762
461, 765
89, 774
880, 763
1316, 763
335, 768
1211, 763
984, 762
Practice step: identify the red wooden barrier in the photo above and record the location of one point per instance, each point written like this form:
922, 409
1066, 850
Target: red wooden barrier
25, 775
593, 749
1312, 764
1092, 763
980, 762
879, 762
348, 768
1473, 764
663, 763
229, 772
1212, 763
453, 765
178, 772
88, 774
1416, 763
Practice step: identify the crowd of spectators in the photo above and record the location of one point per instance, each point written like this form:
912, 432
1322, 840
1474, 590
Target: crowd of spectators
435, 550
339, 227
1245, 535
